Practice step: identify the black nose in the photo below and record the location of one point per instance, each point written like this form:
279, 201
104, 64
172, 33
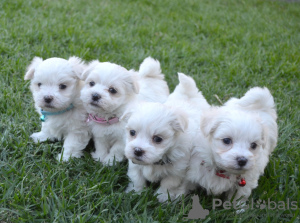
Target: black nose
138, 151
48, 99
95, 97
242, 161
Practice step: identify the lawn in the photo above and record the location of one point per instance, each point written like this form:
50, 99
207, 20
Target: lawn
228, 47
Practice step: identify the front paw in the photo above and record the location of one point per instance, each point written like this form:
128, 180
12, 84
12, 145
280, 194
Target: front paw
240, 211
131, 187
39, 137
109, 160
162, 197
65, 157
98, 156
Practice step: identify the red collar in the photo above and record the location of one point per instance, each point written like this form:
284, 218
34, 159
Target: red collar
221, 173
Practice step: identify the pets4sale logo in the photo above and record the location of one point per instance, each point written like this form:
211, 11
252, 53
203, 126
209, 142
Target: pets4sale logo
198, 211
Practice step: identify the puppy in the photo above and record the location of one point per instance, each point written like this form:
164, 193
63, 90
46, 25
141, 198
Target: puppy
234, 144
159, 140
108, 92
56, 88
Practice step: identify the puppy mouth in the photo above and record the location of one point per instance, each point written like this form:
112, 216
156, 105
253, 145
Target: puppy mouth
95, 104
232, 169
138, 161
239, 170
48, 106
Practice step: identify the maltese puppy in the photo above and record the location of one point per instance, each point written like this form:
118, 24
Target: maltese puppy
109, 91
234, 145
159, 140
56, 88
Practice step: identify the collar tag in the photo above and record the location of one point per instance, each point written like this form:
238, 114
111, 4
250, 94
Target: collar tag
43, 118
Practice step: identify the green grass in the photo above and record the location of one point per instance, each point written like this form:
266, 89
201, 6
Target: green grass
228, 46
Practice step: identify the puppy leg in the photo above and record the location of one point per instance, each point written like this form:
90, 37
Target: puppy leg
101, 148
73, 145
240, 198
172, 185
138, 182
116, 152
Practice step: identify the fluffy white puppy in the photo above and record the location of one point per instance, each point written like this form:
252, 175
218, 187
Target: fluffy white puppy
234, 144
56, 88
160, 139
108, 92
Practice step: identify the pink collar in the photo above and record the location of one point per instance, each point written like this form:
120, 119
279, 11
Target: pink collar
102, 120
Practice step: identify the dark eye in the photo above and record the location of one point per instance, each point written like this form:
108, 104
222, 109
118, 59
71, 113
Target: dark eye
62, 86
112, 90
253, 145
157, 139
92, 83
39, 84
132, 132
227, 141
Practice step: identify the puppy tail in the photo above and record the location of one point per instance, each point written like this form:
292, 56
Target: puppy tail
256, 99
187, 90
150, 68
187, 86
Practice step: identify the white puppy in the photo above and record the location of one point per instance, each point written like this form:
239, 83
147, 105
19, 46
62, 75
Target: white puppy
109, 91
234, 145
56, 88
159, 140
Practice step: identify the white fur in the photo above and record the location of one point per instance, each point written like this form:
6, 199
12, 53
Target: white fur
70, 125
132, 87
176, 123
250, 119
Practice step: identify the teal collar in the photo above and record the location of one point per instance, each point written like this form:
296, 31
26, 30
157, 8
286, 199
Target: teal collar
46, 113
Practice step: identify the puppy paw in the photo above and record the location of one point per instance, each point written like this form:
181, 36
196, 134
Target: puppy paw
131, 187
109, 160
65, 157
38, 137
97, 156
240, 211
162, 197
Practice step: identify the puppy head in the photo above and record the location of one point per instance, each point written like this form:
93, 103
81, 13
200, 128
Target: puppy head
54, 82
236, 139
107, 88
152, 132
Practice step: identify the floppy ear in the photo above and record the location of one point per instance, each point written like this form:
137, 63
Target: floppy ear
180, 121
127, 114
31, 68
269, 136
131, 80
77, 65
210, 121
88, 69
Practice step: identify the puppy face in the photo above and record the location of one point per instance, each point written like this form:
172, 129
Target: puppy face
236, 139
107, 87
151, 133
54, 82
